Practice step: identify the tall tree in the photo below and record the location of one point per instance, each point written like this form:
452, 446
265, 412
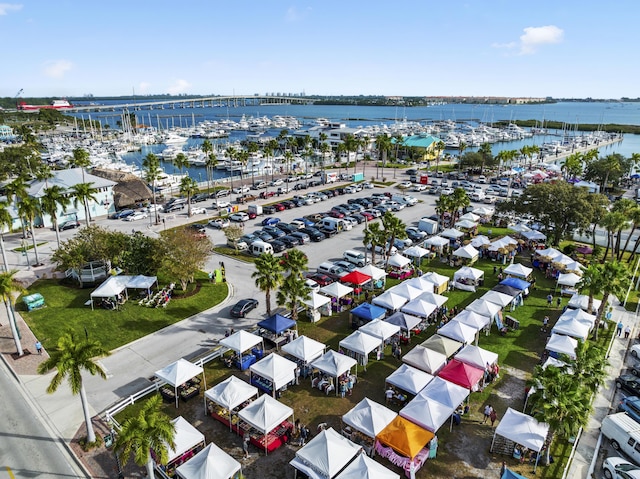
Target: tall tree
28, 209
295, 262
150, 429
292, 292
268, 276
188, 188
182, 254
83, 193
591, 283
616, 279
462, 146
80, 159
394, 228
487, 155
210, 164
9, 289
351, 146
634, 217
71, 357
459, 200
181, 162
373, 236
54, 197
152, 171
6, 221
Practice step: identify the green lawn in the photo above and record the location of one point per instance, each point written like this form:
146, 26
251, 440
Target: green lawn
65, 310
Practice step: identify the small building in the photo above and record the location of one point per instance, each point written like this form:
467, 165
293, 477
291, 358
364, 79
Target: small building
6, 133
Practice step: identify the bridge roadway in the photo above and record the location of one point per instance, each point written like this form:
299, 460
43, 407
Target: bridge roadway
200, 102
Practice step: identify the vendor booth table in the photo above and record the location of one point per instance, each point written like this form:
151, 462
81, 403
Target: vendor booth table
273, 374
224, 400
333, 365
241, 342
272, 329
182, 375
266, 421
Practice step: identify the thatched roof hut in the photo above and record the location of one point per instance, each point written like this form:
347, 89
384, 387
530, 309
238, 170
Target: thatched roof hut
130, 189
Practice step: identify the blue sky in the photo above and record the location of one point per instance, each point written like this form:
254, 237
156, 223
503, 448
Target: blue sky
560, 48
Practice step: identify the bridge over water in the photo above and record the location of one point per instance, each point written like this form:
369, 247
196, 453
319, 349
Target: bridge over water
199, 102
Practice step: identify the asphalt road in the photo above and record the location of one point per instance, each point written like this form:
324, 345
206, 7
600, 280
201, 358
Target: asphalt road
27, 449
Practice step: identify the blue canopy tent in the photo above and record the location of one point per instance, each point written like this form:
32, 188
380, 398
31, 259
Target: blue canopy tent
509, 474
517, 283
365, 313
277, 324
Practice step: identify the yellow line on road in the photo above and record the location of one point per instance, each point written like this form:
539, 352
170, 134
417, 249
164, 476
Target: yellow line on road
10, 473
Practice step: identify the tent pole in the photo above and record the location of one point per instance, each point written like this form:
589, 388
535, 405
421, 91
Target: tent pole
175, 391
492, 441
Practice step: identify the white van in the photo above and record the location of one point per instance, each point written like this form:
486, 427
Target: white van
624, 433
259, 247
406, 200
356, 257
332, 270
332, 224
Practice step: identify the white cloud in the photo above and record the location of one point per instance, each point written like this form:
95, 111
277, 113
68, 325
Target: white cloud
57, 68
143, 87
6, 8
295, 15
533, 38
179, 86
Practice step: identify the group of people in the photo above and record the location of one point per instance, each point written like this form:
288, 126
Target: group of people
489, 415
627, 330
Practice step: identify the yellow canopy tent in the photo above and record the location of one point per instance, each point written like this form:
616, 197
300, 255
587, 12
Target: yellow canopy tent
405, 437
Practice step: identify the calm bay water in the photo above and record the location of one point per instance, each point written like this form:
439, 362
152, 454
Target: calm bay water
567, 112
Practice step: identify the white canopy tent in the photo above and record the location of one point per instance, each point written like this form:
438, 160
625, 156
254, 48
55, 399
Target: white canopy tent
470, 217
399, 261
475, 356
325, 455
426, 412
404, 321
178, 373
280, 371
409, 379
376, 274
549, 253
316, 300
421, 284
336, 290
416, 251
445, 392
241, 341
522, 429
304, 348
484, 308
519, 228
498, 298
479, 241
518, 271
473, 319
186, 438
115, 285
562, 345
483, 211
572, 327
231, 393
467, 272
210, 463
334, 364
265, 414
434, 298
379, 329
442, 344
406, 291
467, 252
390, 300
440, 281
534, 235
363, 467
360, 343
451, 233
573, 266
369, 417
579, 314
568, 279
458, 331
466, 224
419, 307
581, 301
425, 359
436, 241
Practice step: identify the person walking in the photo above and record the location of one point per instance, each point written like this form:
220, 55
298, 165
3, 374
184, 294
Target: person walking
487, 413
245, 445
493, 416
503, 469
627, 332
620, 326
39, 347
549, 299
388, 394
545, 324
558, 302
304, 434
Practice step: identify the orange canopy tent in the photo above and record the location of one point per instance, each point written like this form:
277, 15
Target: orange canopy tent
405, 437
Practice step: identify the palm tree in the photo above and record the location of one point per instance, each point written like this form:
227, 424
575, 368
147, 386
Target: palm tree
232, 154
459, 200
626, 206
615, 281
373, 236
292, 291
591, 283
54, 197
6, 221
295, 262
486, 153
9, 288
383, 145
188, 187
83, 193
351, 146
444, 205
612, 222
589, 368
70, 357
268, 276
210, 164
152, 170
181, 162
461, 147
439, 148
149, 429
340, 149
572, 165
394, 228
80, 160
28, 209
288, 158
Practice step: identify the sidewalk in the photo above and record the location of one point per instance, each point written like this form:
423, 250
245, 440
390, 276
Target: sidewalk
588, 443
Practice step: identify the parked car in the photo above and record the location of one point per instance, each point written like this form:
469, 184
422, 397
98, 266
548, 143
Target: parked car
321, 279
118, 215
198, 229
635, 351
287, 228
259, 185
302, 236
406, 184
198, 210
367, 186
312, 285
197, 198
223, 204
219, 223
244, 306
290, 241
69, 224
221, 193
241, 216
138, 215
279, 207
314, 234
277, 245
419, 187
630, 405
629, 383
276, 182
415, 234
264, 236
618, 468
273, 231
345, 265
174, 207
241, 189
270, 221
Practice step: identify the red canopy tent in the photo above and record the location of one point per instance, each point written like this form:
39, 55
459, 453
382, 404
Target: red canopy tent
357, 279
462, 374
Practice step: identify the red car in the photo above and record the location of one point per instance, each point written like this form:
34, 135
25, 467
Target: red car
336, 214
252, 215
321, 279
367, 215
279, 207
